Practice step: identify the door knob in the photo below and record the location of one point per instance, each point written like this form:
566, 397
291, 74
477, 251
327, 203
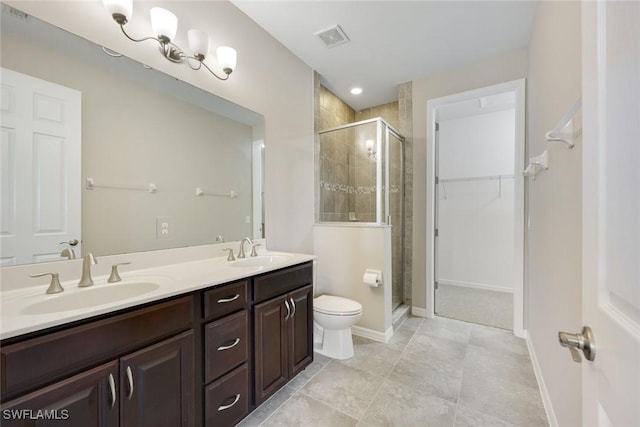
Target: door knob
72, 242
583, 341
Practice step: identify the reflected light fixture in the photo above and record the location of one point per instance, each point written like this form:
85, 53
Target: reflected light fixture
370, 151
165, 25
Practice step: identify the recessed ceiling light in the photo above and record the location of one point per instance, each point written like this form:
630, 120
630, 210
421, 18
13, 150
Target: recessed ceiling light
356, 91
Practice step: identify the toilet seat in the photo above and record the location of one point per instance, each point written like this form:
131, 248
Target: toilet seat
337, 306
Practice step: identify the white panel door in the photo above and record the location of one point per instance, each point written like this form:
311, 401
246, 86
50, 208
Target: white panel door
40, 169
611, 211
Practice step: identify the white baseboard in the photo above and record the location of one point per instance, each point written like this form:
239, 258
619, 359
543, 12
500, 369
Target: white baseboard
476, 285
383, 337
419, 311
546, 399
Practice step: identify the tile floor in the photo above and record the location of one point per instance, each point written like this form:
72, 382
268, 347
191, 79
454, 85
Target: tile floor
434, 372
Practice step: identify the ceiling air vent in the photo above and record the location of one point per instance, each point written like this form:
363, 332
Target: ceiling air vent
333, 36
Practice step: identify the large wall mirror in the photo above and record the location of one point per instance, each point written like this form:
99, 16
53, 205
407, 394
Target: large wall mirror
99, 149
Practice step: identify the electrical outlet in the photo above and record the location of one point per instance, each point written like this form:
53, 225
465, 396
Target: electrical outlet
164, 228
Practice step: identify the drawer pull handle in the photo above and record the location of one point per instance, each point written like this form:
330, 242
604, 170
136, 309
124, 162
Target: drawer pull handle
130, 381
112, 389
227, 347
233, 298
223, 407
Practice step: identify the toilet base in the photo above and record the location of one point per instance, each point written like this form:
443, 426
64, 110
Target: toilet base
336, 344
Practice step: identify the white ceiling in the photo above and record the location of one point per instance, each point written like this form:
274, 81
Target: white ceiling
392, 41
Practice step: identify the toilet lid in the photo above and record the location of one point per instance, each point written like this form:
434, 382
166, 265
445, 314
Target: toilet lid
330, 304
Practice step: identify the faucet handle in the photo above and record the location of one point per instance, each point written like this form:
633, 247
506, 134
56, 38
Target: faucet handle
54, 287
253, 249
115, 276
230, 257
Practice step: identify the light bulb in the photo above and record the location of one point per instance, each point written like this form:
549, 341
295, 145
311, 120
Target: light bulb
119, 9
227, 58
164, 23
198, 43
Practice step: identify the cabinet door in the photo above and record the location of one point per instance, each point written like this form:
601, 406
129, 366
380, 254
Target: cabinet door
301, 330
87, 399
158, 384
271, 347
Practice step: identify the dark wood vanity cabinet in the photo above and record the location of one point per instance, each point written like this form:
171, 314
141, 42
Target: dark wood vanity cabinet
135, 383
283, 334
85, 399
157, 384
227, 347
205, 358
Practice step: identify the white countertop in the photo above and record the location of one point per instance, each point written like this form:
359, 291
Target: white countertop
19, 312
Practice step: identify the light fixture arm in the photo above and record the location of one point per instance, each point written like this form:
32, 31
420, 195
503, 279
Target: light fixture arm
170, 50
210, 70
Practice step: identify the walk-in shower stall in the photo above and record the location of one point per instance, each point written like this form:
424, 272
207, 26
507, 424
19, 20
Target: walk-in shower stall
360, 184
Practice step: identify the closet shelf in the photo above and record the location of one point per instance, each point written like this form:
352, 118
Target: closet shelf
475, 178
498, 178
559, 133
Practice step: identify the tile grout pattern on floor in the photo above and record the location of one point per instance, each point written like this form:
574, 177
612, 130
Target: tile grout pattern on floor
433, 372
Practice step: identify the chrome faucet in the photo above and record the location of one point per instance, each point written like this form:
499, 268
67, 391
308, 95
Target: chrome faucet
87, 261
241, 251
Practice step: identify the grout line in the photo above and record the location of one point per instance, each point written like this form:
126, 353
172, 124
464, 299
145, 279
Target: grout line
384, 380
292, 394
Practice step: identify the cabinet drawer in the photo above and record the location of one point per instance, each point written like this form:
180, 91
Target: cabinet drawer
225, 299
33, 363
227, 400
226, 344
282, 281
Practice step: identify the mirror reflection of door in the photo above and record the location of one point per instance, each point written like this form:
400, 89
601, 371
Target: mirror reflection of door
40, 163
475, 210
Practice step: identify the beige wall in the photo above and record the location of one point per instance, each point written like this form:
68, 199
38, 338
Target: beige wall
364, 247
504, 68
554, 199
194, 148
284, 98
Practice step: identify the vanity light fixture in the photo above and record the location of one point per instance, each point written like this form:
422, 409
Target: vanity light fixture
165, 25
370, 151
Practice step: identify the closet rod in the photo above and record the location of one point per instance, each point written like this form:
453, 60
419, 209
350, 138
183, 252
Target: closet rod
476, 178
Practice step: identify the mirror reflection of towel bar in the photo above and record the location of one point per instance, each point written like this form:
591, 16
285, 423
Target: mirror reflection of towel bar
231, 194
91, 185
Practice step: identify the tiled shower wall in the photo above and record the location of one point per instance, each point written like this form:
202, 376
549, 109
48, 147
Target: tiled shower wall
347, 174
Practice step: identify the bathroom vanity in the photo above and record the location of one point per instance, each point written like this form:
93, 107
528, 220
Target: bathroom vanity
206, 356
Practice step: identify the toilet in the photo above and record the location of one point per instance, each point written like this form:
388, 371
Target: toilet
333, 318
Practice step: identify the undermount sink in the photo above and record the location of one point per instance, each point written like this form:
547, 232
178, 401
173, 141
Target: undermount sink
260, 261
95, 295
